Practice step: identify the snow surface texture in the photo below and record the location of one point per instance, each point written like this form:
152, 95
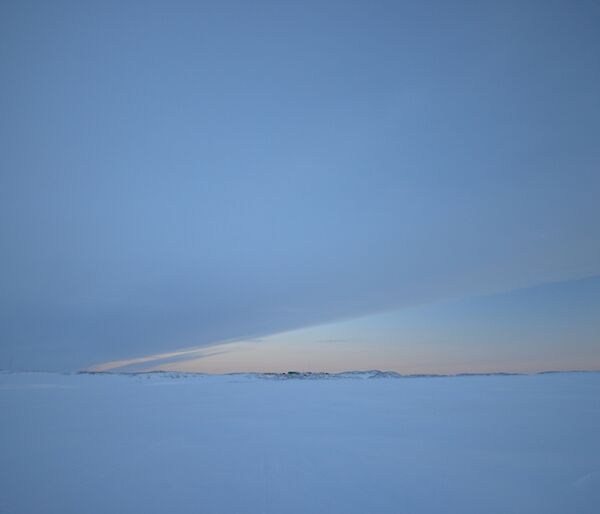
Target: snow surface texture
159, 443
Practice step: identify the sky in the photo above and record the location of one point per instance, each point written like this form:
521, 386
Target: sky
550, 327
179, 175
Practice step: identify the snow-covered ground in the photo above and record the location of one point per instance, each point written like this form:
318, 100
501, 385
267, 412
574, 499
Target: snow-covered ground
103, 444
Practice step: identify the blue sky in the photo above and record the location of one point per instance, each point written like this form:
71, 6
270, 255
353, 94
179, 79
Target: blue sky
180, 174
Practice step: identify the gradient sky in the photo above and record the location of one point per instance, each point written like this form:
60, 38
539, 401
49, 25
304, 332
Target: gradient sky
549, 327
179, 174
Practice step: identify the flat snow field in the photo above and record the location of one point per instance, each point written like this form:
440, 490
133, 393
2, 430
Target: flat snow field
105, 444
